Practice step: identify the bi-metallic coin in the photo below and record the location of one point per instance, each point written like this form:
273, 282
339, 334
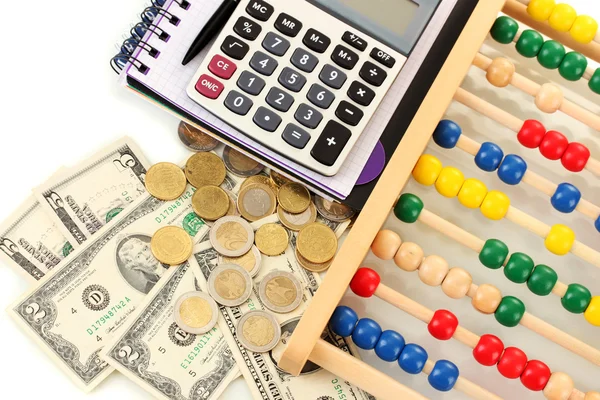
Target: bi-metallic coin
196, 139
230, 285
281, 292
258, 331
251, 261
239, 164
296, 222
256, 201
196, 313
231, 236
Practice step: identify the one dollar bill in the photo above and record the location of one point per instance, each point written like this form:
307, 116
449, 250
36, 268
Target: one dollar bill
79, 305
166, 361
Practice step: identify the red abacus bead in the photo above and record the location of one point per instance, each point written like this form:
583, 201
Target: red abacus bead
536, 375
531, 134
512, 363
443, 324
553, 145
365, 282
575, 157
488, 350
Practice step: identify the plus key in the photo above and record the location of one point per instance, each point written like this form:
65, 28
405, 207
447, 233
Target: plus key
331, 143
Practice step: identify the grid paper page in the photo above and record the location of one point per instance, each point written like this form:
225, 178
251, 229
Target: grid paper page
168, 78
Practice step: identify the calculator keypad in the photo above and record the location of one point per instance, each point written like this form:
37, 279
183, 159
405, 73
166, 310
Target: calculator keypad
222, 67
295, 136
304, 61
373, 74
288, 25
234, 48
263, 63
308, 116
238, 103
267, 119
251, 83
279, 100
344, 57
355, 41
316, 41
261, 10
320, 96
332, 77
330, 144
349, 113
361, 93
275, 44
247, 28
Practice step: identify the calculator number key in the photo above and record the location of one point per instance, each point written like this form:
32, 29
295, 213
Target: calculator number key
355, 41
250, 83
330, 144
308, 116
349, 113
234, 47
263, 63
373, 74
275, 44
295, 136
288, 25
320, 96
260, 10
344, 57
316, 41
267, 119
238, 103
304, 60
292, 80
247, 28
332, 77
279, 100
361, 93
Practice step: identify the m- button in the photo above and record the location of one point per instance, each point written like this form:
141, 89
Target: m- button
222, 67
209, 87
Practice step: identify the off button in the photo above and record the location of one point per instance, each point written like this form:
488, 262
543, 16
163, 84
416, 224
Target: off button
209, 87
383, 57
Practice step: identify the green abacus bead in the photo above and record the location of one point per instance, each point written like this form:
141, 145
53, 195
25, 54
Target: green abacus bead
519, 268
510, 311
493, 254
408, 208
576, 299
595, 82
504, 29
551, 54
530, 43
542, 280
573, 66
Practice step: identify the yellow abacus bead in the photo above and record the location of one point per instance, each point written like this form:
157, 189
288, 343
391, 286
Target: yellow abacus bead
540, 10
592, 313
472, 193
584, 29
562, 18
449, 182
560, 239
495, 205
427, 169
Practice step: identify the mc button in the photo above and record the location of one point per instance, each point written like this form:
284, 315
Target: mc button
209, 87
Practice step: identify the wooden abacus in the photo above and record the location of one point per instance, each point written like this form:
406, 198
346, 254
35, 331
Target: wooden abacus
579, 33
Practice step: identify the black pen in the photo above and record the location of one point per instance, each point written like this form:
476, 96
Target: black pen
210, 30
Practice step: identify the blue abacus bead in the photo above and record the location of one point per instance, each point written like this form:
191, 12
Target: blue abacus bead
366, 334
489, 157
446, 134
413, 358
512, 169
443, 376
565, 198
597, 224
343, 321
390, 346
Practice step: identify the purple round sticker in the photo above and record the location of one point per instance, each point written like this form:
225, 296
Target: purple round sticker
374, 166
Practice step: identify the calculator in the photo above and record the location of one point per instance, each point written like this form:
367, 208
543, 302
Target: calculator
303, 78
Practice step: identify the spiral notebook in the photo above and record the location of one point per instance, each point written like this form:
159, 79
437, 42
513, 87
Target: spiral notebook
150, 63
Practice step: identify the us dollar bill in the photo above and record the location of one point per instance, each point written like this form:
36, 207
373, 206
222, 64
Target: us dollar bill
166, 361
75, 308
265, 379
92, 193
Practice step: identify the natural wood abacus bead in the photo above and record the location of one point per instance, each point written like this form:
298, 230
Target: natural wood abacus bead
500, 72
457, 283
592, 396
433, 270
487, 299
549, 98
409, 257
559, 387
386, 244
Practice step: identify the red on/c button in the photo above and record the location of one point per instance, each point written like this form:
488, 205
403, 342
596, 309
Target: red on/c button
222, 67
209, 86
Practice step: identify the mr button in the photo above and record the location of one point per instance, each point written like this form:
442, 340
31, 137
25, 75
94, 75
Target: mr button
330, 144
221, 67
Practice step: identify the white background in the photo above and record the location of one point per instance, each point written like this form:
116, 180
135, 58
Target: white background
61, 102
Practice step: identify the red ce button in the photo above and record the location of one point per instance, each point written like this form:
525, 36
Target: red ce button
222, 67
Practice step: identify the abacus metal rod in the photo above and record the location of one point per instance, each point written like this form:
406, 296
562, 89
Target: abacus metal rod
505, 118
533, 179
532, 88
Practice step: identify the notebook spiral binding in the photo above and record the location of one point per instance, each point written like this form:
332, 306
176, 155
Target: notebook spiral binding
136, 40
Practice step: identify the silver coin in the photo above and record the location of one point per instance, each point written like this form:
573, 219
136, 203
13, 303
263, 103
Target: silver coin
240, 164
281, 292
258, 331
196, 313
230, 285
232, 236
195, 139
251, 261
333, 211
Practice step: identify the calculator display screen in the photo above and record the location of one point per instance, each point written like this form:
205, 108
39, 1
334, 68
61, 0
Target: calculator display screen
398, 23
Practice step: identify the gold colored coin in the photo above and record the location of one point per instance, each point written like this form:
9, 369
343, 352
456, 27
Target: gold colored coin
165, 181
294, 197
251, 261
195, 313
233, 210
317, 243
258, 331
296, 222
205, 169
196, 139
265, 180
278, 179
310, 266
210, 202
271, 239
171, 245
256, 201
240, 164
